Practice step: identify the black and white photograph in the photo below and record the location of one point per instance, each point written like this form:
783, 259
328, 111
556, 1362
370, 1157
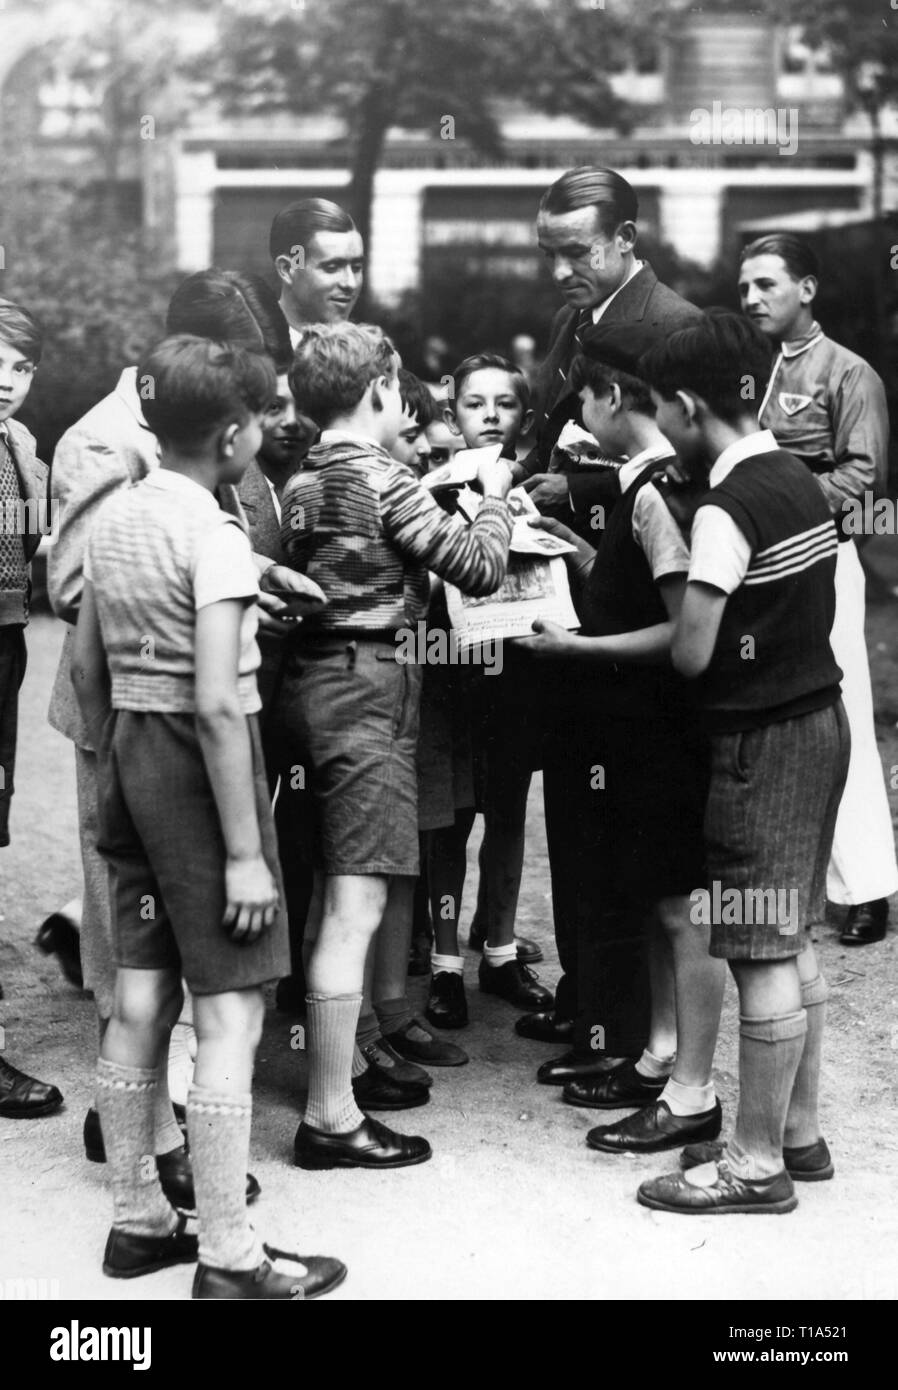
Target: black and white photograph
354, 946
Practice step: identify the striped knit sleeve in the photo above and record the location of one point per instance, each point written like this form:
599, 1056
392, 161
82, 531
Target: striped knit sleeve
473, 558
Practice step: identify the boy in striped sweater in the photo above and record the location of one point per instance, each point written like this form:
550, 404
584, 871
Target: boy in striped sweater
365, 529
753, 633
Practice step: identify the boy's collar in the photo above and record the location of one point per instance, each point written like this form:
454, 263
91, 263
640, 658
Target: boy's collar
630, 471
337, 436
747, 446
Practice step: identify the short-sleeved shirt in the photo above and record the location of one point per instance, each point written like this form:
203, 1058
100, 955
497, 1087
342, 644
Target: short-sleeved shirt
159, 551
654, 529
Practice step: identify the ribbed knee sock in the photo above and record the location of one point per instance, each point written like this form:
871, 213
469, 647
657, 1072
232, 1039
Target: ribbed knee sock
126, 1101
218, 1126
769, 1053
330, 1032
802, 1123
393, 1014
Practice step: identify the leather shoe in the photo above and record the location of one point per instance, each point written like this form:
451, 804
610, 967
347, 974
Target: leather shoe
59, 936
175, 1172
383, 1057
516, 983
615, 1090
372, 1145
95, 1149
865, 923
545, 1027
323, 1275
176, 1177
571, 1066
23, 1097
811, 1163
127, 1256
375, 1089
447, 1006
655, 1128
726, 1193
528, 951
415, 1042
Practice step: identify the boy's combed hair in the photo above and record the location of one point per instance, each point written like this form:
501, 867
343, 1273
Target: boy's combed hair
601, 376
799, 256
21, 330
481, 361
229, 306
192, 386
416, 399
724, 359
333, 365
296, 224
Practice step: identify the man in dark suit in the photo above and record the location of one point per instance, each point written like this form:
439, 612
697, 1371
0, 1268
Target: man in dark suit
586, 228
286, 439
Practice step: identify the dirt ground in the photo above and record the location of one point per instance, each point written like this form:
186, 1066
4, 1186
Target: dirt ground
513, 1205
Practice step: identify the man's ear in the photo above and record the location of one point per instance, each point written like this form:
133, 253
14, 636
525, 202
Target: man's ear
450, 420
284, 268
808, 289
625, 236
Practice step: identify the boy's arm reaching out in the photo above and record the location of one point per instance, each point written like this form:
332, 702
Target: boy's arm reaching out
695, 634
252, 895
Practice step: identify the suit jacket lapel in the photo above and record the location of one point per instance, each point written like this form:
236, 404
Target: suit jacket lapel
264, 527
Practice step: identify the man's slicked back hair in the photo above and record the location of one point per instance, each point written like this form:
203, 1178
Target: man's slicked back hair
590, 186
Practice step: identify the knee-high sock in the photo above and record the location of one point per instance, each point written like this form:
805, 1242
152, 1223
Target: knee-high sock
769, 1053
802, 1123
218, 1126
126, 1101
331, 1024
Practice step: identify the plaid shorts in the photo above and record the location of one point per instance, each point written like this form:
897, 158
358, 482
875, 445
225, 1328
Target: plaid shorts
769, 826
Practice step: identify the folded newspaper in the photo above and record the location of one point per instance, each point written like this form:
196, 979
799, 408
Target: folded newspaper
535, 586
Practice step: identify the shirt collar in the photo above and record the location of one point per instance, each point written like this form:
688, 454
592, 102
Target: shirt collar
599, 309
4, 432
336, 436
758, 442
630, 471
796, 346
169, 481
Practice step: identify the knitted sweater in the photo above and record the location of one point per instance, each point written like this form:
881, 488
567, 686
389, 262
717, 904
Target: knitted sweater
363, 527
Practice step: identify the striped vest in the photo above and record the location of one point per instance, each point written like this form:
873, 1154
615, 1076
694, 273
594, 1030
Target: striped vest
773, 658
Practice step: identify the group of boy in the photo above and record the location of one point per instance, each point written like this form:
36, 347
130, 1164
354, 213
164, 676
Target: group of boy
721, 758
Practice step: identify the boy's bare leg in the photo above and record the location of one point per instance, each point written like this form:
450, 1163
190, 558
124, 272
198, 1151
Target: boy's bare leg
389, 990
699, 981
658, 1058
352, 906
802, 1122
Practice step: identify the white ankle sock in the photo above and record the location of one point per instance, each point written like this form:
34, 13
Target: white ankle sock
655, 1067
688, 1100
452, 965
500, 955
